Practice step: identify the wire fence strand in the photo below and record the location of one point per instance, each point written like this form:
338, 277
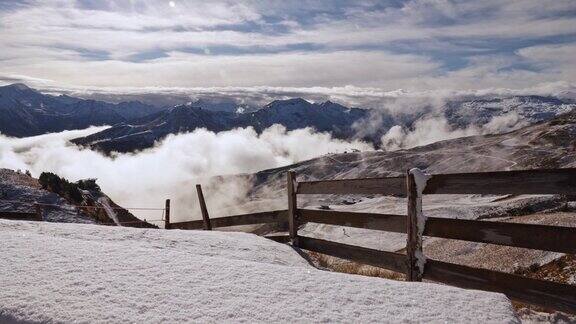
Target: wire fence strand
81, 207
78, 206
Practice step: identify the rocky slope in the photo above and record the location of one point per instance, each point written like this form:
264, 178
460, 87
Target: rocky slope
20, 192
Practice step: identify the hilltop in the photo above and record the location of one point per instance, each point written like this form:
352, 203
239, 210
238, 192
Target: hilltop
62, 201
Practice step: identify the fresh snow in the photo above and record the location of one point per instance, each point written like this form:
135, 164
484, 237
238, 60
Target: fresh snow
88, 273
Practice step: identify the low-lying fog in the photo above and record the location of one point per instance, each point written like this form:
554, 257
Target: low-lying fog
174, 165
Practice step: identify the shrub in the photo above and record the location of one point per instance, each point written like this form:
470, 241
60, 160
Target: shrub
88, 184
63, 187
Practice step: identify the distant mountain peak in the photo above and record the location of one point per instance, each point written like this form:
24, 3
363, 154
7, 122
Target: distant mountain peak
18, 86
184, 109
288, 102
329, 103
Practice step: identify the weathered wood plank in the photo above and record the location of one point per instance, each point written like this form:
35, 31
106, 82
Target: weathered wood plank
532, 291
556, 181
190, 225
275, 216
203, 208
382, 222
532, 236
385, 186
167, 214
291, 186
539, 237
414, 237
39, 213
383, 259
279, 238
18, 215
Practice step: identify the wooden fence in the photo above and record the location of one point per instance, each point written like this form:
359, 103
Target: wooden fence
39, 209
16, 215
542, 237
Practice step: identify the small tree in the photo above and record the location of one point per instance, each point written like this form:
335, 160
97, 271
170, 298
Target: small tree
54, 183
88, 184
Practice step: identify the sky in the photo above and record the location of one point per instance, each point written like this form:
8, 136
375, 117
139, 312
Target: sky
356, 47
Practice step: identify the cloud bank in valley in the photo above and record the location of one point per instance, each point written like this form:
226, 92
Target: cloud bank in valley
173, 166
429, 130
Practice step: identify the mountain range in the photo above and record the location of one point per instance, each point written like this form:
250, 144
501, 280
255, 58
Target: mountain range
27, 112
136, 126
342, 122
292, 114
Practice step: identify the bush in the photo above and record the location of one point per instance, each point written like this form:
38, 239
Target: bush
63, 187
88, 184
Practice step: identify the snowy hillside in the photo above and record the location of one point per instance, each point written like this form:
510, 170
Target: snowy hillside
20, 192
96, 274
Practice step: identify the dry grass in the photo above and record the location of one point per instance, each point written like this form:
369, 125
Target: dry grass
344, 266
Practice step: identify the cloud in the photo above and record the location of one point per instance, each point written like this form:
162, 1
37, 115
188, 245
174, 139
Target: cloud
429, 130
175, 165
416, 45
192, 70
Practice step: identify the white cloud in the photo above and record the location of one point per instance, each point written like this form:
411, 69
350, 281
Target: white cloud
173, 166
92, 43
434, 129
291, 69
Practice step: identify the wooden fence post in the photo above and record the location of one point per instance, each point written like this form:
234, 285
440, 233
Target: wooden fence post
205, 216
414, 240
39, 212
291, 185
167, 216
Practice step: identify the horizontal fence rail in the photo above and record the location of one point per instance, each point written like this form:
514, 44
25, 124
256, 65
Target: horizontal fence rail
279, 238
383, 186
540, 237
531, 236
19, 215
383, 259
536, 182
532, 291
275, 216
382, 222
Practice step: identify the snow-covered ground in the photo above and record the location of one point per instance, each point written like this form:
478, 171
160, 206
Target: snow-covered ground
87, 273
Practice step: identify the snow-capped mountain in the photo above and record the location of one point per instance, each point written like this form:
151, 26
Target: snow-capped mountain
292, 113
27, 112
340, 121
480, 111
